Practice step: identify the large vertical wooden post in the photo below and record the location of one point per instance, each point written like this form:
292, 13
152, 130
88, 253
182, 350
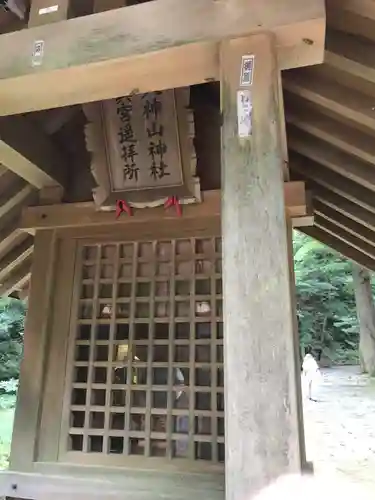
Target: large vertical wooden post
261, 402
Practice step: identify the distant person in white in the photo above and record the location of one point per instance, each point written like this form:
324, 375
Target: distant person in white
310, 376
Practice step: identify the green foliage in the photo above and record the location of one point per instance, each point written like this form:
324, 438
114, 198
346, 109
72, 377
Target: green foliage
12, 316
325, 300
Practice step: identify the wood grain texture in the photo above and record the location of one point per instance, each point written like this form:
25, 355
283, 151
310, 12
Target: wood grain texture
92, 485
75, 215
27, 417
110, 54
28, 152
262, 427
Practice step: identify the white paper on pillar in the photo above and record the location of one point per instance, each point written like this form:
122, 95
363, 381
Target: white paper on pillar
247, 69
244, 113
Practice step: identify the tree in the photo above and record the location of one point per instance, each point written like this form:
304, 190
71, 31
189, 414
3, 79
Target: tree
325, 300
366, 318
12, 315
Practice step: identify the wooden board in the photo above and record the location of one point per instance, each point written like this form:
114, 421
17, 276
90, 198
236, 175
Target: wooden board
85, 215
152, 46
142, 149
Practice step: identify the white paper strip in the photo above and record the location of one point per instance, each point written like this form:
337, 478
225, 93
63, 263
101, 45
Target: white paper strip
244, 113
38, 53
48, 10
247, 70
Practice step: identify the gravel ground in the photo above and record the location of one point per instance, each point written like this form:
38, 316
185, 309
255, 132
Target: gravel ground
340, 427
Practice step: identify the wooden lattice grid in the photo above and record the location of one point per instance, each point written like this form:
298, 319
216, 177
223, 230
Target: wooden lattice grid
148, 351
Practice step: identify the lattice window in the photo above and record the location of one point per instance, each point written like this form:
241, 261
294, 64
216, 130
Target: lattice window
148, 358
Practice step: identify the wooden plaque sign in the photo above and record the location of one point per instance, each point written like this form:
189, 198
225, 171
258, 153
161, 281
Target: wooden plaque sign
142, 149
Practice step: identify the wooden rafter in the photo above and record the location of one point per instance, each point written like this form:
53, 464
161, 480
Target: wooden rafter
321, 176
347, 104
344, 249
356, 229
351, 56
354, 16
332, 158
338, 134
27, 151
17, 193
16, 256
345, 207
345, 236
110, 54
75, 215
17, 278
9, 232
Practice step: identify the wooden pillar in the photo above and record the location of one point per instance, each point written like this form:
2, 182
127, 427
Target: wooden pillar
366, 318
28, 409
261, 395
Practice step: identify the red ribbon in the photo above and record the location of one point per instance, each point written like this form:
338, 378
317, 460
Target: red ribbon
173, 202
122, 207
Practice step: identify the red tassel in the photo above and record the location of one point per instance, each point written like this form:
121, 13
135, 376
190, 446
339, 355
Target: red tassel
173, 201
121, 207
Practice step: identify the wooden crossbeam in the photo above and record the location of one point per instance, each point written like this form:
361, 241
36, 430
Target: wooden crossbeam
312, 171
348, 104
9, 232
110, 54
352, 57
17, 278
17, 193
348, 139
341, 247
16, 256
332, 158
75, 215
356, 229
345, 207
28, 152
353, 16
345, 236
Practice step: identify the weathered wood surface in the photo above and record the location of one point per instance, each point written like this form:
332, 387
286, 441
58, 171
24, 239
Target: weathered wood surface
75, 215
114, 485
261, 413
142, 149
151, 46
366, 317
27, 416
28, 152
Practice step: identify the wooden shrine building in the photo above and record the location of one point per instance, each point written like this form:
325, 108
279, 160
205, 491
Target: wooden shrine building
154, 157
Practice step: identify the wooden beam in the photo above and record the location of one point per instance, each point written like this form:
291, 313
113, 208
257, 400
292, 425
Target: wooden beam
353, 16
257, 286
344, 249
348, 104
310, 170
332, 158
345, 207
110, 54
95, 485
307, 220
341, 135
356, 229
344, 236
75, 215
350, 60
16, 256
17, 194
28, 152
17, 278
